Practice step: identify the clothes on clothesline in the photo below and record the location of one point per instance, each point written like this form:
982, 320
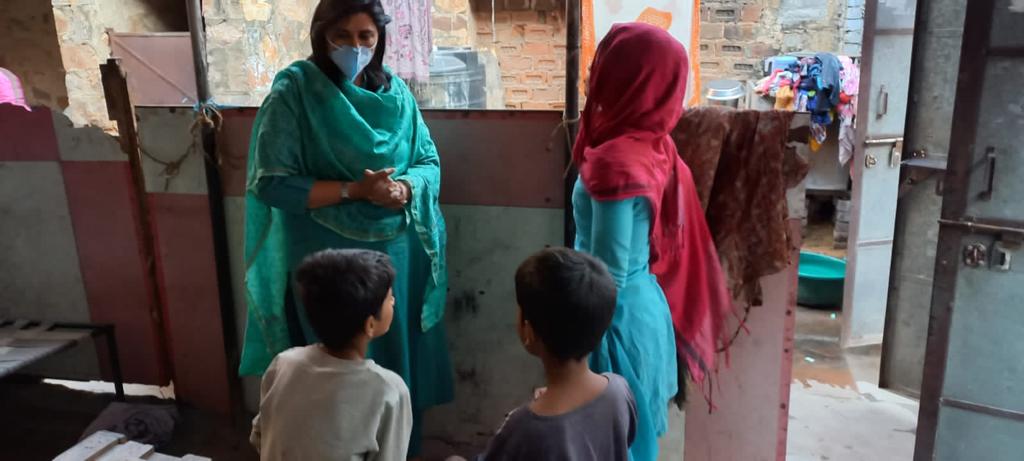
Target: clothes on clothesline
409, 38
742, 169
825, 85
850, 78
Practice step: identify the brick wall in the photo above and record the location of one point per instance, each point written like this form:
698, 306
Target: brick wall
528, 38
736, 35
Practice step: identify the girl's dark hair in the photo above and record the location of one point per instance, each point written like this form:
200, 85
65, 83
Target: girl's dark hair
329, 13
340, 289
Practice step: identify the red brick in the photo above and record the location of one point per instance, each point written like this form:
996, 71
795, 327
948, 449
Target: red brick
761, 50
548, 94
751, 13
483, 27
511, 34
534, 105
732, 32
538, 33
747, 31
525, 17
712, 31
513, 106
538, 49
514, 63
709, 65
510, 79
729, 48
517, 4
547, 64
724, 14
509, 50
447, 23
518, 94
558, 105
535, 78
451, 6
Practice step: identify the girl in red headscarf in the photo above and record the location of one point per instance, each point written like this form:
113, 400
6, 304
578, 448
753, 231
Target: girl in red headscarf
636, 209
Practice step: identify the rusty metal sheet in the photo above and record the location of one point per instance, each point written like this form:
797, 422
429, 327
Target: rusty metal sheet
488, 158
159, 67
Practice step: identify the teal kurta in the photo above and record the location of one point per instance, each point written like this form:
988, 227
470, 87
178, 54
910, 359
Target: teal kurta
311, 129
640, 344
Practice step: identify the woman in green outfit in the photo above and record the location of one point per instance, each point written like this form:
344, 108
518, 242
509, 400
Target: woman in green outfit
340, 158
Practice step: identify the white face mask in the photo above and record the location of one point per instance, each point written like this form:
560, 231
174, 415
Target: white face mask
351, 59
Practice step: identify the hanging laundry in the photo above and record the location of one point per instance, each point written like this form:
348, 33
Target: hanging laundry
784, 98
742, 169
409, 38
846, 142
850, 81
11, 90
828, 77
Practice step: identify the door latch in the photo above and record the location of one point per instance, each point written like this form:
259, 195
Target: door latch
975, 255
1002, 257
896, 154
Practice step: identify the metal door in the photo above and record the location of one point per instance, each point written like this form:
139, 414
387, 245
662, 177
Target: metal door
972, 396
881, 115
933, 76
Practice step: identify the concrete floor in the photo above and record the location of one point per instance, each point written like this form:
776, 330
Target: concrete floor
836, 411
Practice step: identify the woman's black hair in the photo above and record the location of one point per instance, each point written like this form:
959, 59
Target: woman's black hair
329, 13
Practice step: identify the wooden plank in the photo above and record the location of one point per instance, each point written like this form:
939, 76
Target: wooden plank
91, 448
162, 457
129, 450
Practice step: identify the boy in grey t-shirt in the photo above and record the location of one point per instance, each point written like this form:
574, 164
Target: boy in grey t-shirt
566, 302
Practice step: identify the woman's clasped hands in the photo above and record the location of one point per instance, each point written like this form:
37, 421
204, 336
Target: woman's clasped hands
378, 188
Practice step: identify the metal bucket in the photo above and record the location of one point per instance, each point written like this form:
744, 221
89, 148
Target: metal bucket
726, 93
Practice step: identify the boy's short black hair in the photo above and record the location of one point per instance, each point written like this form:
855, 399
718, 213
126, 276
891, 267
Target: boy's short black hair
340, 289
569, 299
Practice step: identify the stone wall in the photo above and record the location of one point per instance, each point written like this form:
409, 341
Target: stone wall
736, 35
81, 26
853, 28
31, 51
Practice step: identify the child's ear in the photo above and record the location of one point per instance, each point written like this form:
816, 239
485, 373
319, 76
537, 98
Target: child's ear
370, 326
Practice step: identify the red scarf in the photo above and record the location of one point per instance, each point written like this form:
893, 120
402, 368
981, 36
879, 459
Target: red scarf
636, 90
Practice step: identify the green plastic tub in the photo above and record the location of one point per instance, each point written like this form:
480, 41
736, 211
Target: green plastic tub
821, 280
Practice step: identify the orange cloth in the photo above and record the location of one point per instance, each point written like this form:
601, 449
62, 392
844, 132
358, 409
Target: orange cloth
653, 16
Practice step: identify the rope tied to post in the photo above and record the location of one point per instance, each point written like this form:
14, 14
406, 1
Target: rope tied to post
208, 116
564, 125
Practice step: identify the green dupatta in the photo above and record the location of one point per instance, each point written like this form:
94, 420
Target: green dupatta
307, 126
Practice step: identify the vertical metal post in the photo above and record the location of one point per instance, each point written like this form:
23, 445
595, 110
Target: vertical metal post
115, 361
572, 107
122, 111
215, 191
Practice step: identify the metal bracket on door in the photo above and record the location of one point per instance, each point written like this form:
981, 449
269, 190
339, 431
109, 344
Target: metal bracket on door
883, 102
990, 174
895, 153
